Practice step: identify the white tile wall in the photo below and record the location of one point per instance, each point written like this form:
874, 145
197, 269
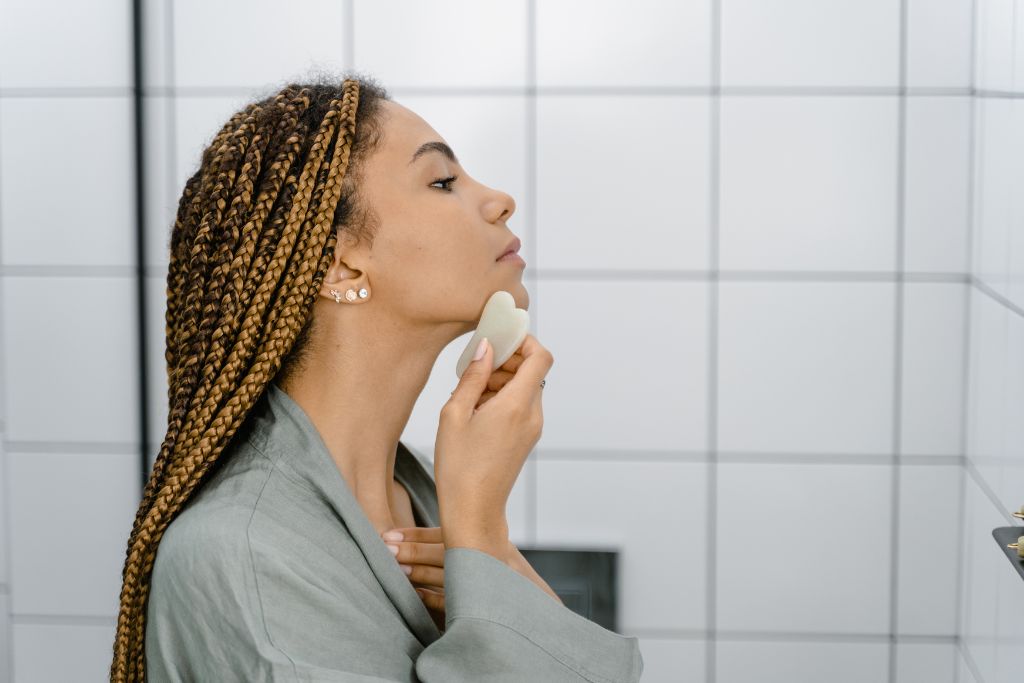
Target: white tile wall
455, 43
939, 43
808, 183
61, 44
622, 197
716, 272
67, 181
843, 43
932, 396
992, 627
258, 44
609, 43
937, 189
805, 367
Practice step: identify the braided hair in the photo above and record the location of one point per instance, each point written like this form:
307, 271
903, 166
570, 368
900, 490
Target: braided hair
254, 235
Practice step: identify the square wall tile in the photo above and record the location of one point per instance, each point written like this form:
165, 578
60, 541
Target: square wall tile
54, 44
6, 652
255, 43
86, 652
994, 30
815, 556
1011, 491
488, 135
630, 368
933, 359
71, 516
606, 204
1015, 267
929, 548
633, 507
984, 566
71, 361
162, 192
986, 417
5, 561
810, 43
931, 662
157, 39
449, 43
806, 367
800, 662
61, 207
673, 660
939, 43
609, 43
1018, 51
994, 190
808, 183
937, 188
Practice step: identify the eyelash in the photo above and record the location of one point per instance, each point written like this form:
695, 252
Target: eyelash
449, 179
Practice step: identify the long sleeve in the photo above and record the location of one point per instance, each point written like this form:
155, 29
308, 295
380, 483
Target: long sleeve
500, 626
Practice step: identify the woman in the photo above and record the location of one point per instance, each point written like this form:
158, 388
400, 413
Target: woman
325, 252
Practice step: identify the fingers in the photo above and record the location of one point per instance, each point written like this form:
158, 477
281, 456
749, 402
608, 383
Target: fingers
524, 385
426, 575
432, 599
498, 379
422, 534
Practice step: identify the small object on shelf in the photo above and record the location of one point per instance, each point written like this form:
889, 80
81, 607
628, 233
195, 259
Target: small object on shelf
1012, 543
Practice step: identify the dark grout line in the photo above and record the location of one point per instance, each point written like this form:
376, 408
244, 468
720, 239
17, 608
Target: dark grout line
899, 323
138, 64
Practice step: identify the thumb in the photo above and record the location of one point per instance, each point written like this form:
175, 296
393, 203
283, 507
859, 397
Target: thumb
474, 378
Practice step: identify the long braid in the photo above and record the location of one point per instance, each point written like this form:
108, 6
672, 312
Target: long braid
230, 252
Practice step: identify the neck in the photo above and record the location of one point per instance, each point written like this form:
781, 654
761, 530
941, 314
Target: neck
359, 389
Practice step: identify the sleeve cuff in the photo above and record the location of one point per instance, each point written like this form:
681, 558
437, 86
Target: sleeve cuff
479, 585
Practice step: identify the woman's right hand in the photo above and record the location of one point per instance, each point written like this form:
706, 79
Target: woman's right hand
480, 451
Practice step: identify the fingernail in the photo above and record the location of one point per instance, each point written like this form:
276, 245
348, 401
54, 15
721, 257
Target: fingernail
405, 568
480, 349
393, 549
392, 536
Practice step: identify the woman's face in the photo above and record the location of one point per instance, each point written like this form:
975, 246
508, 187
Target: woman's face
434, 257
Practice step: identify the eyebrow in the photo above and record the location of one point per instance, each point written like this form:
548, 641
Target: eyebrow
434, 146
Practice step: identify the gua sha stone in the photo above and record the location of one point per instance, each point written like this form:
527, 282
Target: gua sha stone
505, 327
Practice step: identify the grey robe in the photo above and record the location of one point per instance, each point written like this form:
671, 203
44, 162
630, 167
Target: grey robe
272, 572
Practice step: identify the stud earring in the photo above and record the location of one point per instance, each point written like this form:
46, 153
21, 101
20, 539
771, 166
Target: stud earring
363, 293
337, 295
350, 295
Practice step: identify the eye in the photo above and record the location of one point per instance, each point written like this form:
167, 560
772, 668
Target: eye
448, 180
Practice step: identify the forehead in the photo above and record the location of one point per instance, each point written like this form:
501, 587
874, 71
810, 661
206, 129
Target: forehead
404, 131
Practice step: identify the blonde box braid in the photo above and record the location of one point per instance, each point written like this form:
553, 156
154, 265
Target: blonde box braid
225, 256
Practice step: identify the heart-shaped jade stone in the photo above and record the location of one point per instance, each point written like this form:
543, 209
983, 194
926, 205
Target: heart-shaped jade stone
505, 327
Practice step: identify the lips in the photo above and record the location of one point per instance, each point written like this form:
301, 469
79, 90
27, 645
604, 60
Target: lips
512, 248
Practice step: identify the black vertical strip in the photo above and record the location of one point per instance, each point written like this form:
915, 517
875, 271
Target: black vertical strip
140, 241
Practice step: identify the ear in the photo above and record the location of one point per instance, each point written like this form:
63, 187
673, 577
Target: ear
342, 276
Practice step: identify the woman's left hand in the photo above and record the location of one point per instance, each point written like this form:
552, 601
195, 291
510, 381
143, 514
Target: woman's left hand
422, 550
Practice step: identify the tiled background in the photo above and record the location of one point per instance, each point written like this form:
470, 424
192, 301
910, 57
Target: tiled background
776, 246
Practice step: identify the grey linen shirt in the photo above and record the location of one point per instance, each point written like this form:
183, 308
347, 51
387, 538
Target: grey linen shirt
273, 572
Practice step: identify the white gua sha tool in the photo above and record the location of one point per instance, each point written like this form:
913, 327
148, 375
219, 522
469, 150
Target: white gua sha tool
505, 327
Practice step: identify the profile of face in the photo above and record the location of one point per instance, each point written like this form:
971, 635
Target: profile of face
434, 259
